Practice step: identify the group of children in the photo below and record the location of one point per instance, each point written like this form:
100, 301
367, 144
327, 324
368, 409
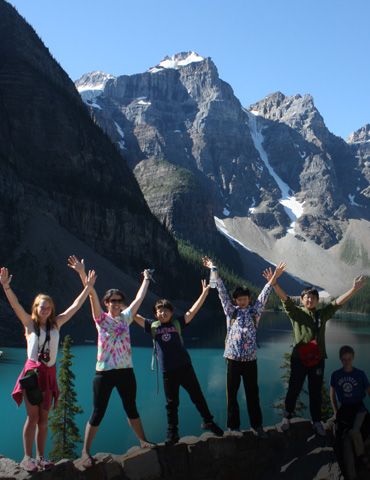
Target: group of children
114, 364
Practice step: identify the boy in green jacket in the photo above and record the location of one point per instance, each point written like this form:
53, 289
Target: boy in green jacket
309, 325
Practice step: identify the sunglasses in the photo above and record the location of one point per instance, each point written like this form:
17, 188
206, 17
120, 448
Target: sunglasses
116, 300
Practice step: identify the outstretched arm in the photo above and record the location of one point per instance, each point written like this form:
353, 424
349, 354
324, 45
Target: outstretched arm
62, 318
139, 320
135, 305
358, 283
194, 309
5, 280
79, 267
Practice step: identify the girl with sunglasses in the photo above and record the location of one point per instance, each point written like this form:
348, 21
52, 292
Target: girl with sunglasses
114, 366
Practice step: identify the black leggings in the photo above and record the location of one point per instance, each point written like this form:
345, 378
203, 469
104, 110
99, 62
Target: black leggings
104, 382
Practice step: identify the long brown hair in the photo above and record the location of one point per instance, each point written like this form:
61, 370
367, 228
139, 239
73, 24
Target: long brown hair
34, 314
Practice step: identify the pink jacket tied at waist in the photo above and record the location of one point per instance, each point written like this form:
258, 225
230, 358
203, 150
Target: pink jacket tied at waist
47, 379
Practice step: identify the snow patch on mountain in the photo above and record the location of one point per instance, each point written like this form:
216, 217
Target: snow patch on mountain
177, 61
352, 200
121, 143
293, 208
91, 86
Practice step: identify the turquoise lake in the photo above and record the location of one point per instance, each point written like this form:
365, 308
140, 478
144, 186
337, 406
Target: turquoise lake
114, 434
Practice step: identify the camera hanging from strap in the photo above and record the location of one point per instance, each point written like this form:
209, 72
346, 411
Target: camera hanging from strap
44, 356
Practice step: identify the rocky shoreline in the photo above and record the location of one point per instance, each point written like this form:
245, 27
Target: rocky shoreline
296, 453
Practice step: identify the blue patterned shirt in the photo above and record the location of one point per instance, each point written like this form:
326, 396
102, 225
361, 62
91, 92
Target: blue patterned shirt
241, 342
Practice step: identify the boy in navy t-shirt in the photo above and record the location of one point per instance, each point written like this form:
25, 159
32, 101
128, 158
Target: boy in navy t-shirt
175, 363
349, 385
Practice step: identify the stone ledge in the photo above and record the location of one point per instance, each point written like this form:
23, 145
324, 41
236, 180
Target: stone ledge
296, 453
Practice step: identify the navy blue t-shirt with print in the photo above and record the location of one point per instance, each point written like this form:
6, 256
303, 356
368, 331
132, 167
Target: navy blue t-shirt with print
350, 387
172, 355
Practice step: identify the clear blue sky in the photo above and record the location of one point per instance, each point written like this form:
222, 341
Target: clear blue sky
316, 47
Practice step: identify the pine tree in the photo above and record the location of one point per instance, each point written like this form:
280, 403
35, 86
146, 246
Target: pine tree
326, 408
64, 431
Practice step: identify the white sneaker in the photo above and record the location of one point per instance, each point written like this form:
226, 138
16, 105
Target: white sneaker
285, 424
259, 432
29, 464
319, 429
235, 432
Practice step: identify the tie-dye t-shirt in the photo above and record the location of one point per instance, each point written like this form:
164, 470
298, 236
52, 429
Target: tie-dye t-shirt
114, 344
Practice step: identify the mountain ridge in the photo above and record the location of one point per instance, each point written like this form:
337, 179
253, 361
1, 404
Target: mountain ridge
189, 118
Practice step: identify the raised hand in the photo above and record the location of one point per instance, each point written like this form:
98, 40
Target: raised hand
280, 269
76, 264
91, 278
5, 279
270, 275
205, 287
207, 262
359, 283
148, 274
267, 273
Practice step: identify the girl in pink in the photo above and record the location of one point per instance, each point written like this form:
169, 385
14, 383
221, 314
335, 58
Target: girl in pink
114, 368
42, 335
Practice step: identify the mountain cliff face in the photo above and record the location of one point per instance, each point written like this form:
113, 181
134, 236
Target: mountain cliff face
359, 143
62, 178
161, 120
270, 176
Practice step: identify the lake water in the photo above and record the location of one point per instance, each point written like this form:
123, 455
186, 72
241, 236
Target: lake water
114, 434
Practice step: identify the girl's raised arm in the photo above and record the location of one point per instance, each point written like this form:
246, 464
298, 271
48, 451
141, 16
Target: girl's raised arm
5, 280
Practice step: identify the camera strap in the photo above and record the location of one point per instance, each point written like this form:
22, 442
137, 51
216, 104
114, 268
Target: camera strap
47, 337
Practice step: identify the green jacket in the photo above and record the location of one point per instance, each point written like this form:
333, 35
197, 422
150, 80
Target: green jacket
303, 322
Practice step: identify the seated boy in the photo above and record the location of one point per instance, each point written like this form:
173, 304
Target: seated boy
349, 385
241, 348
175, 363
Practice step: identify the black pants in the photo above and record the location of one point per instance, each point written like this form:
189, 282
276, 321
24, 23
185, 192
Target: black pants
248, 372
186, 378
104, 382
298, 374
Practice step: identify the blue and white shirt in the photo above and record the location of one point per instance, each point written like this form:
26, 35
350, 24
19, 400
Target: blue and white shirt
350, 387
241, 342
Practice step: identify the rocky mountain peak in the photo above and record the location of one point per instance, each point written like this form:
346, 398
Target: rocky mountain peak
296, 111
272, 170
93, 81
91, 85
177, 61
360, 136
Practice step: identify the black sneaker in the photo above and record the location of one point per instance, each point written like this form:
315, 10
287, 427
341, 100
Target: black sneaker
172, 437
213, 427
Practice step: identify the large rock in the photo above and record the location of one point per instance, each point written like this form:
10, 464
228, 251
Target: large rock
296, 453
